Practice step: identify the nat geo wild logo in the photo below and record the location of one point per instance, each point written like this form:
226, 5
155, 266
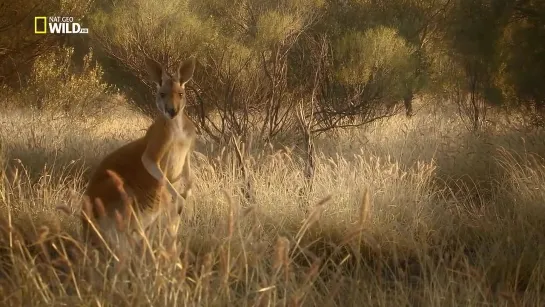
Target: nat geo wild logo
58, 25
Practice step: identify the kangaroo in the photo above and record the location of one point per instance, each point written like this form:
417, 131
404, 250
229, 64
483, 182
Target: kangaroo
130, 182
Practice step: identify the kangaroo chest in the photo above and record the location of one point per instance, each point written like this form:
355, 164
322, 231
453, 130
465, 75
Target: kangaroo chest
173, 161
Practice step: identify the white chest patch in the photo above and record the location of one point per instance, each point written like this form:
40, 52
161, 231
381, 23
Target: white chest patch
173, 161
178, 132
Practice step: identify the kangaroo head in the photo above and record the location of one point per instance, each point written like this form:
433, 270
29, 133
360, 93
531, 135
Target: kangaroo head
170, 97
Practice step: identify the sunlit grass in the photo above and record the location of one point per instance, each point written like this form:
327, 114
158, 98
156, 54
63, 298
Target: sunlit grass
450, 218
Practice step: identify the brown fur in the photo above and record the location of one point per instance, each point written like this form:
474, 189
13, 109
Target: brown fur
135, 177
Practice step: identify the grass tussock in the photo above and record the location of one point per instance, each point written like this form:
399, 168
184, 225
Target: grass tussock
405, 212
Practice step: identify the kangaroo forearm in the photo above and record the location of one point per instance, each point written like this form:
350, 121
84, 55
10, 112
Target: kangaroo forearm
154, 170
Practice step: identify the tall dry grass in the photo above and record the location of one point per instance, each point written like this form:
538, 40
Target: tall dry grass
404, 212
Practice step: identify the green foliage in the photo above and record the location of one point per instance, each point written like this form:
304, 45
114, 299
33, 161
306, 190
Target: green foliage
126, 31
475, 33
241, 47
161, 28
524, 51
379, 55
263, 57
55, 85
273, 27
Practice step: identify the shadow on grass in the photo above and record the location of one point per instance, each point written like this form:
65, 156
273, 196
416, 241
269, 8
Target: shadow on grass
469, 257
78, 159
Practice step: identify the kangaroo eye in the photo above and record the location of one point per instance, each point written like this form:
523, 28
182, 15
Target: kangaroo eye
181, 94
162, 95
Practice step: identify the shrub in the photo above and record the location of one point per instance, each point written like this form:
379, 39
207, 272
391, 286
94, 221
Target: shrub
56, 85
378, 57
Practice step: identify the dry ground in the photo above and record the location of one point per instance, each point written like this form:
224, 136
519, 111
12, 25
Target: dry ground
452, 219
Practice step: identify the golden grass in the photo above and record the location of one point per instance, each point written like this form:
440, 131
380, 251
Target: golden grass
405, 212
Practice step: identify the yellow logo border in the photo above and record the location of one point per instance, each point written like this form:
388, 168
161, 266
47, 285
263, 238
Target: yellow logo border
36, 25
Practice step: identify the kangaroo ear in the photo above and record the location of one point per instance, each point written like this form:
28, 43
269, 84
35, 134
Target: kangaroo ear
155, 70
185, 70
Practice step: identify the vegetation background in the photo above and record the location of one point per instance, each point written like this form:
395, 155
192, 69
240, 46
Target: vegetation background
351, 152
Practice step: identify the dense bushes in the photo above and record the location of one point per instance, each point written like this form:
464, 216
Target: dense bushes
345, 62
55, 85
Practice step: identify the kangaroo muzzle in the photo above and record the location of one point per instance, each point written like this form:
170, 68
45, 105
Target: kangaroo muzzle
171, 112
